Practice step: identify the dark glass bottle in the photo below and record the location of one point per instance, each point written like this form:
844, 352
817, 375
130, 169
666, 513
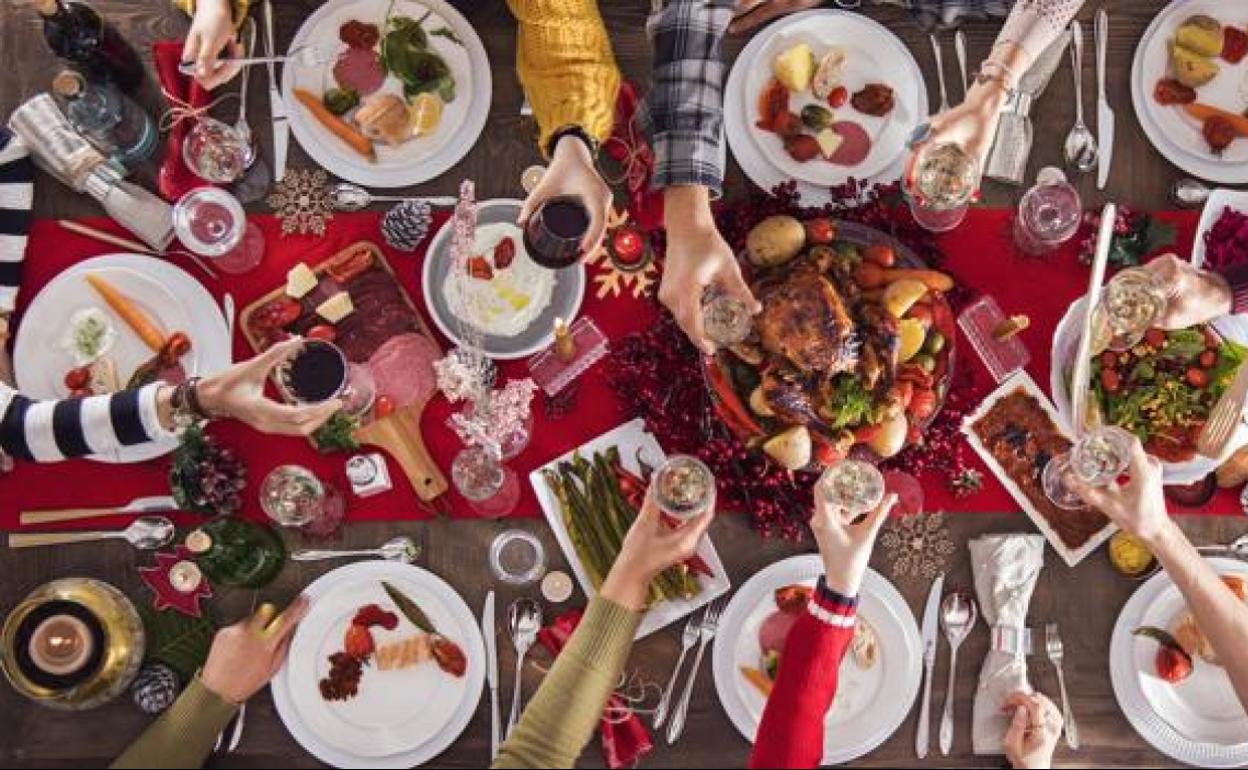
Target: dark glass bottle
236, 552
76, 33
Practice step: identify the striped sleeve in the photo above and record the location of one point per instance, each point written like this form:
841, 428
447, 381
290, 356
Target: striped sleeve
50, 431
17, 175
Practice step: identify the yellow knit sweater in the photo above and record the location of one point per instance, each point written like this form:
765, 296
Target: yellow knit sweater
564, 60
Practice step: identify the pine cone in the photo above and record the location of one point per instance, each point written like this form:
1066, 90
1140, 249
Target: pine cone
406, 225
155, 688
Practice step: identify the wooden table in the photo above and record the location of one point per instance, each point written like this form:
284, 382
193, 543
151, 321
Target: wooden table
1085, 601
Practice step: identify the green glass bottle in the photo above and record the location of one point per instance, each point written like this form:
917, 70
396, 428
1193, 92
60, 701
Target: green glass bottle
236, 552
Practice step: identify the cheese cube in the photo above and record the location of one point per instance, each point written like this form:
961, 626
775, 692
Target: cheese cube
300, 280
336, 307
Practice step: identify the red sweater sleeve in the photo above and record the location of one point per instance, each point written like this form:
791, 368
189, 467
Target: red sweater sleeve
791, 731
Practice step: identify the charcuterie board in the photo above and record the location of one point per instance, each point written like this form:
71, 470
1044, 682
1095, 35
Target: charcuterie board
383, 331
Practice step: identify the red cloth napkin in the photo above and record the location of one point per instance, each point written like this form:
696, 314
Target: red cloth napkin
627, 145
175, 179
624, 741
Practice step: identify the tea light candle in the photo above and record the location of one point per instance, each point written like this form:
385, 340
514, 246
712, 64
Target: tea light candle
557, 587
185, 577
61, 645
628, 247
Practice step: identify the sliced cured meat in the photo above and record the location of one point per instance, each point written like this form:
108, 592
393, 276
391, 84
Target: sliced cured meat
856, 144
875, 99
360, 70
359, 34
774, 631
403, 369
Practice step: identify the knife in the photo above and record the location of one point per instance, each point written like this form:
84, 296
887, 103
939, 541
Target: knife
155, 504
1104, 113
1083, 354
491, 669
277, 107
931, 626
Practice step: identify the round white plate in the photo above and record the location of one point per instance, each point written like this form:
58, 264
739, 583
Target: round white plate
399, 718
417, 160
168, 294
1066, 339
1219, 201
754, 149
565, 303
870, 705
1172, 131
1198, 721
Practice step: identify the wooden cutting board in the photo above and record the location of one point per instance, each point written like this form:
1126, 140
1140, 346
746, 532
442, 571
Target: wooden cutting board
399, 432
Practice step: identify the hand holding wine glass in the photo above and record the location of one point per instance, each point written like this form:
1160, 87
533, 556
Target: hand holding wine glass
846, 540
572, 175
650, 546
1193, 296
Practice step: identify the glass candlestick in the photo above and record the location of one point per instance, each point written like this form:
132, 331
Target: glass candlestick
293, 496
576, 348
995, 337
491, 488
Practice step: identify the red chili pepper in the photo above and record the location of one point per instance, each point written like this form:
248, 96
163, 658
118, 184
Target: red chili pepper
728, 404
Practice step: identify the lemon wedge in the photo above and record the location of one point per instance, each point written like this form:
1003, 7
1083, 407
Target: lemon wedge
426, 113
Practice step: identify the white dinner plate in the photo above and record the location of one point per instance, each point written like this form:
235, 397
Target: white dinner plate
1199, 720
416, 160
870, 705
565, 303
167, 294
1066, 338
399, 718
761, 154
1172, 131
1219, 200
631, 438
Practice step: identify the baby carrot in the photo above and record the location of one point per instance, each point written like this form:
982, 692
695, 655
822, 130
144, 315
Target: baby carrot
135, 318
336, 125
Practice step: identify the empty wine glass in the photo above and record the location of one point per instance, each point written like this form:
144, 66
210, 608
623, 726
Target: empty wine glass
1048, 214
293, 496
491, 488
211, 223
1098, 458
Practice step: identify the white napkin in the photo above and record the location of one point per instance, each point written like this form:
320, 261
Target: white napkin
1005, 569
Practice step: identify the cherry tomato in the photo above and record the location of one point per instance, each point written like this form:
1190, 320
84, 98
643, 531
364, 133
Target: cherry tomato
383, 407
1208, 359
1109, 359
1212, 341
1110, 380
838, 96
881, 254
78, 378
322, 332
923, 404
1197, 378
277, 314
820, 230
480, 269
1155, 338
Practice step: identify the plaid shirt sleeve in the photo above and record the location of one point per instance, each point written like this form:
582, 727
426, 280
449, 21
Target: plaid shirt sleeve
683, 114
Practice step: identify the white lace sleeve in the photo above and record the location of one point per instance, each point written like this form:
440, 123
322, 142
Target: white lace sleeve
1033, 24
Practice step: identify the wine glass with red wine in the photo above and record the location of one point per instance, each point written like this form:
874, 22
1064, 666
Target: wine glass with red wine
320, 372
554, 232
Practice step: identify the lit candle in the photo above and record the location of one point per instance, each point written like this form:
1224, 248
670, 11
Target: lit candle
60, 645
565, 346
557, 587
628, 247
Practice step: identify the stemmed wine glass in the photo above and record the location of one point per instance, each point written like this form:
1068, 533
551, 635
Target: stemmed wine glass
320, 372
944, 184
211, 223
1131, 304
217, 152
1098, 458
684, 487
293, 496
854, 486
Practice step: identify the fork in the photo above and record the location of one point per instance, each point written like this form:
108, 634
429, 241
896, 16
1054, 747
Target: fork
1225, 417
687, 640
940, 72
1053, 646
706, 632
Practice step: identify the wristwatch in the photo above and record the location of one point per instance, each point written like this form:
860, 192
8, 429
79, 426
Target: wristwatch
4, 326
576, 131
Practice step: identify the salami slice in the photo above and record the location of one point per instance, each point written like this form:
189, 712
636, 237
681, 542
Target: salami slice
403, 368
360, 70
856, 144
774, 630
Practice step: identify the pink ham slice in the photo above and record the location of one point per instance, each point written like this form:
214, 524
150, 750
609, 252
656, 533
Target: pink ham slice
855, 144
402, 369
360, 70
775, 630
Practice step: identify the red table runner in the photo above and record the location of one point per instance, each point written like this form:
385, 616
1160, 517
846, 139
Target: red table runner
980, 254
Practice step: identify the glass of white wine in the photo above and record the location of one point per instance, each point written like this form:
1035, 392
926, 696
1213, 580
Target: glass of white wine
1098, 458
684, 487
1132, 303
854, 486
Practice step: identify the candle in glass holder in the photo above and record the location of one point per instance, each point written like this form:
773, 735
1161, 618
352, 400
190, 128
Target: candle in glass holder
61, 645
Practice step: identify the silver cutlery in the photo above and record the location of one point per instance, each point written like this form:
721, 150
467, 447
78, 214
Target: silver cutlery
241, 126
940, 72
153, 504
490, 633
524, 620
1237, 547
959, 47
687, 639
305, 56
1080, 150
958, 614
1053, 646
146, 533
402, 549
1104, 113
706, 632
1188, 193
134, 246
931, 623
1225, 417
277, 107
229, 312
345, 196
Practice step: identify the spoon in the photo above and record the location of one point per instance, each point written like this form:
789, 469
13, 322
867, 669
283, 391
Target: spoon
345, 196
1188, 193
524, 618
957, 617
146, 533
401, 549
1080, 150
1237, 548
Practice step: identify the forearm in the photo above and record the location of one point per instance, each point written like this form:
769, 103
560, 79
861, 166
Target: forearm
184, 735
565, 64
687, 207
683, 113
50, 431
562, 716
1221, 615
1031, 26
791, 731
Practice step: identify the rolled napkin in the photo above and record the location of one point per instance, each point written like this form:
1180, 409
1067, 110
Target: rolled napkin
57, 148
136, 209
1005, 569
1011, 148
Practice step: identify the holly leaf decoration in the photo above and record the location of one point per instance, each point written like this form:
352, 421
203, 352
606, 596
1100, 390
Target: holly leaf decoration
178, 641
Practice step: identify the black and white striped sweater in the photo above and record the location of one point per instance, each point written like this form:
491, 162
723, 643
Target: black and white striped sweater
47, 431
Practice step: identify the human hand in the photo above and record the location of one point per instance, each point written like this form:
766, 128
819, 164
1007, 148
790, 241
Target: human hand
845, 545
245, 656
698, 258
752, 14
650, 546
238, 392
1139, 506
972, 125
572, 172
1034, 729
1193, 296
212, 31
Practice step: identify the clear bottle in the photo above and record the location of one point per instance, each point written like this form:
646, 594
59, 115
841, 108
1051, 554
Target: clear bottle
107, 118
76, 33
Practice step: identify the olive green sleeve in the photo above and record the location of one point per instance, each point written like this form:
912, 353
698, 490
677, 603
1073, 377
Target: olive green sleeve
561, 718
184, 735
